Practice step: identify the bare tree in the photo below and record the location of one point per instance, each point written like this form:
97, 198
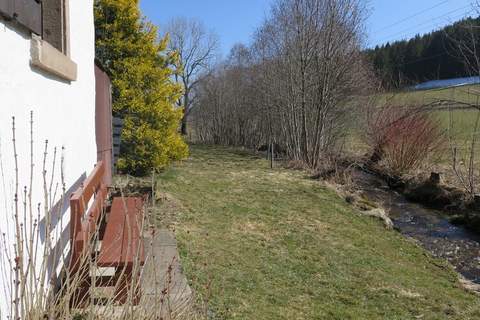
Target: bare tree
296, 86
197, 49
313, 52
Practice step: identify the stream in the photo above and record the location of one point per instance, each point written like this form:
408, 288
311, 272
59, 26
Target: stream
431, 228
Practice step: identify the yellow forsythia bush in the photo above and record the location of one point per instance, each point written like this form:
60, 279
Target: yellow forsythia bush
144, 94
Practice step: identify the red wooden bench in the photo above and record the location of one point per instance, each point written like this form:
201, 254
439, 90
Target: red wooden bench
117, 228
122, 246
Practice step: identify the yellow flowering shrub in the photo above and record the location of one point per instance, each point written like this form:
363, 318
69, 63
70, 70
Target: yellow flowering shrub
144, 93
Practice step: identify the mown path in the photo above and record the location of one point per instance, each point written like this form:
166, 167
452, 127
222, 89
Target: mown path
271, 244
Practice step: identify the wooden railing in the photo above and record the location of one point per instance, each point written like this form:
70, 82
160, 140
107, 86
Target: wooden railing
83, 227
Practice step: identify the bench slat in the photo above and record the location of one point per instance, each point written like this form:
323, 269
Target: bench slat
122, 244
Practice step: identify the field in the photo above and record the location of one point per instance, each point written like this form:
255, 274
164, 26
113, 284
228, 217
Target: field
465, 94
258, 243
462, 120
457, 123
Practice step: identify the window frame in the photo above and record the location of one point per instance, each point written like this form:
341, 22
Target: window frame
62, 26
46, 56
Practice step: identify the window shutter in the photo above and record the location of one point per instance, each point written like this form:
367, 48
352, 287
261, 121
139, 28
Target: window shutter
29, 14
6, 8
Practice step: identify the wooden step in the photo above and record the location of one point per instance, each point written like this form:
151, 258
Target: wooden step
102, 272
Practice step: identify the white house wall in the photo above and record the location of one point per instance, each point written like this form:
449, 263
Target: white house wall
63, 113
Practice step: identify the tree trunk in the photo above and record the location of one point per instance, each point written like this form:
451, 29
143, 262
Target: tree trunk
186, 110
183, 128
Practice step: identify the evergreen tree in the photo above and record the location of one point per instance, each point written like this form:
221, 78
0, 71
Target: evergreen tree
144, 94
429, 57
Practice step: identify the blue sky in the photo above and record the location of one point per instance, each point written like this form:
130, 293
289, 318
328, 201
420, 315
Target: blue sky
398, 19
235, 20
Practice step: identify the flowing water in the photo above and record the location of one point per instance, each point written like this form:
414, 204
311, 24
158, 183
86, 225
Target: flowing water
431, 228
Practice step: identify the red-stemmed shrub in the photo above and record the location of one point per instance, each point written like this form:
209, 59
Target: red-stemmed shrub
402, 138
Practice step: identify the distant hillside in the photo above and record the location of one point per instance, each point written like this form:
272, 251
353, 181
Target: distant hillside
432, 56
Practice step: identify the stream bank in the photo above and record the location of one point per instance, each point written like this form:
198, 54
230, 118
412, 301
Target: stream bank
433, 229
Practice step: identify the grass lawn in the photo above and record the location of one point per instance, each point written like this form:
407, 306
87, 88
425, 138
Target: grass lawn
272, 244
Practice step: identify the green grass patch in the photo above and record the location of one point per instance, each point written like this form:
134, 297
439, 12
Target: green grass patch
463, 123
272, 244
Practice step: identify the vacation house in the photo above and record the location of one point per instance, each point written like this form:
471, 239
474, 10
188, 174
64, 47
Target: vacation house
47, 74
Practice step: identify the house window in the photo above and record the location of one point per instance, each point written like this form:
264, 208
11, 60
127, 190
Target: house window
47, 20
54, 20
